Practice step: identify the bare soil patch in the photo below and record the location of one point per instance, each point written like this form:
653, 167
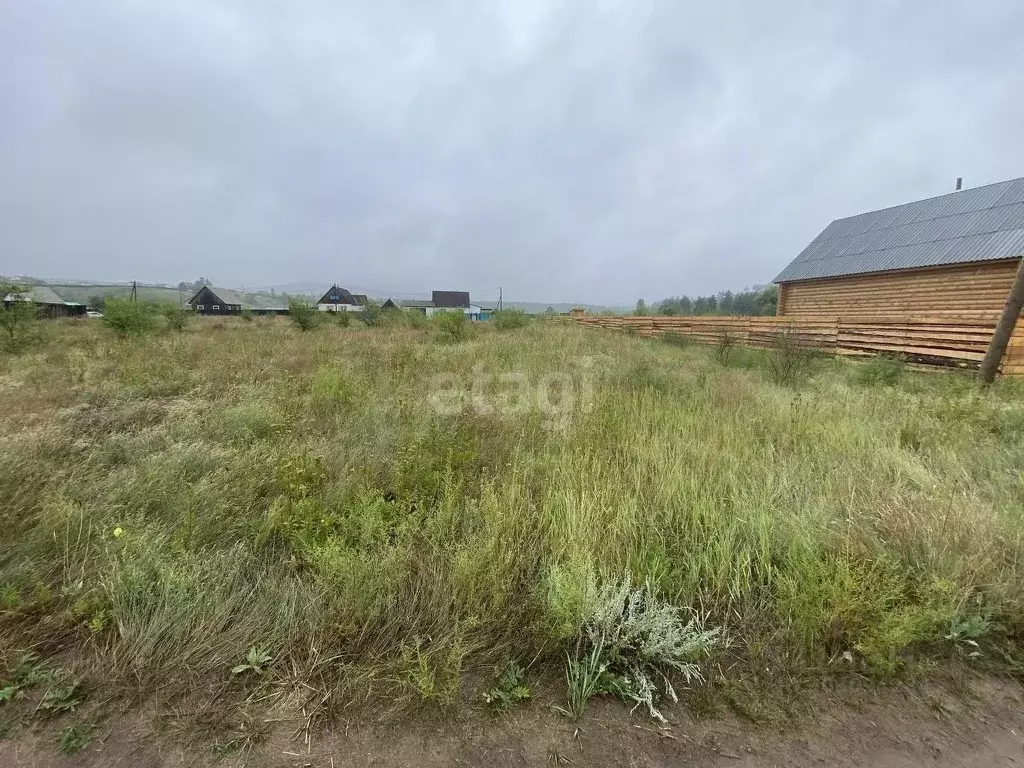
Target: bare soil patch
932, 724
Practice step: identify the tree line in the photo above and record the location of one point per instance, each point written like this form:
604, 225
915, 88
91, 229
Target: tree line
759, 300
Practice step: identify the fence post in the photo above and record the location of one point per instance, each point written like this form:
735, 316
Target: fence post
1004, 328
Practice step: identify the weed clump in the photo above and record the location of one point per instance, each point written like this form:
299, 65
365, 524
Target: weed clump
725, 347
509, 690
789, 361
630, 642
129, 318
452, 326
510, 319
19, 323
882, 371
177, 317
303, 315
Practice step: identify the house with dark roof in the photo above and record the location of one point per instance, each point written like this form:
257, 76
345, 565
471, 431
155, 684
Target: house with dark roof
337, 299
209, 300
943, 256
48, 303
453, 301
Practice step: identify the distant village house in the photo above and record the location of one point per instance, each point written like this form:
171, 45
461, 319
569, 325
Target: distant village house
48, 303
209, 300
440, 301
338, 299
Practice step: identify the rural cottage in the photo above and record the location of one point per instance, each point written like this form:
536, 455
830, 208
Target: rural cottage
48, 303
440, 301
947, 255
221, 301
338, 299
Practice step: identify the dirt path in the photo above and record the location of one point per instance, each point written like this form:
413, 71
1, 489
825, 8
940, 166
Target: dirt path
890, 728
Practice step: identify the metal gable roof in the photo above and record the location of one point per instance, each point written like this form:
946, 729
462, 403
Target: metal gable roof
980, 224
227, 296
39, 294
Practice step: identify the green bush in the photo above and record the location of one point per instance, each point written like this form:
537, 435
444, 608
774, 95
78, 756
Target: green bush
413, 318
18, 320
129, 318
177, 317
373, 315
452, 326
789, 362
247, 315
341, 319
510, 319
303, 315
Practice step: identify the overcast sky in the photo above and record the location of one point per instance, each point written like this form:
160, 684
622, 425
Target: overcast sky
583, 150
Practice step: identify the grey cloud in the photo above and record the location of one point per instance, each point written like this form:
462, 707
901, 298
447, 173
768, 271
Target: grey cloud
565, 150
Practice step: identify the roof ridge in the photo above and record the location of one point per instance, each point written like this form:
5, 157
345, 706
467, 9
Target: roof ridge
918, 221
933, 197
939, 240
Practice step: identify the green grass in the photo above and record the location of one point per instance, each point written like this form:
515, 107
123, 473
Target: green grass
171, 501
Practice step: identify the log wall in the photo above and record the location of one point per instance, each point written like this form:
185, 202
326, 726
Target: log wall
944, 339
982, 286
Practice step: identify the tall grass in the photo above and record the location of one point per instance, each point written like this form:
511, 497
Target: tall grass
170, 501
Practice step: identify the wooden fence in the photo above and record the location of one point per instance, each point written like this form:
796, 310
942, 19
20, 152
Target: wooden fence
960, 338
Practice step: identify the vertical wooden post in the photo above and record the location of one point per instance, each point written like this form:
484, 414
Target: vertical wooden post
1004, 329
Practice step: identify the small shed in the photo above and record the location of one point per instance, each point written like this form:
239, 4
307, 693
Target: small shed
955, 253
577, 312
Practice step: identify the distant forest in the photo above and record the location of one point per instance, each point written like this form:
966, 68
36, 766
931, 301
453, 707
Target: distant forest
759, 300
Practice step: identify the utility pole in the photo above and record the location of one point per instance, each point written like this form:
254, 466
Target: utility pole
1004, 329
499, 298
135, 294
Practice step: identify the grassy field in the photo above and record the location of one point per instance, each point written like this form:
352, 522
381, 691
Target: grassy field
363, 517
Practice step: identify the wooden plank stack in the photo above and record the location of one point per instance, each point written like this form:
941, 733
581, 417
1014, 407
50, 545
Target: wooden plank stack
942, 338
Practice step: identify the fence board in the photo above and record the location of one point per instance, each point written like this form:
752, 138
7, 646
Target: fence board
955, 336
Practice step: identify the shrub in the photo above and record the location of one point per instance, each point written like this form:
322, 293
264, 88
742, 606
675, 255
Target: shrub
789, 361
510, 319
726, 345
452, 326
128, 318
18, 319
630, 639
414, 318
341, 319
372, 315
177, 317
303, 315
247, 315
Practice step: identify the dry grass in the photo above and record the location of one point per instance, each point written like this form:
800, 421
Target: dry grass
171, 500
